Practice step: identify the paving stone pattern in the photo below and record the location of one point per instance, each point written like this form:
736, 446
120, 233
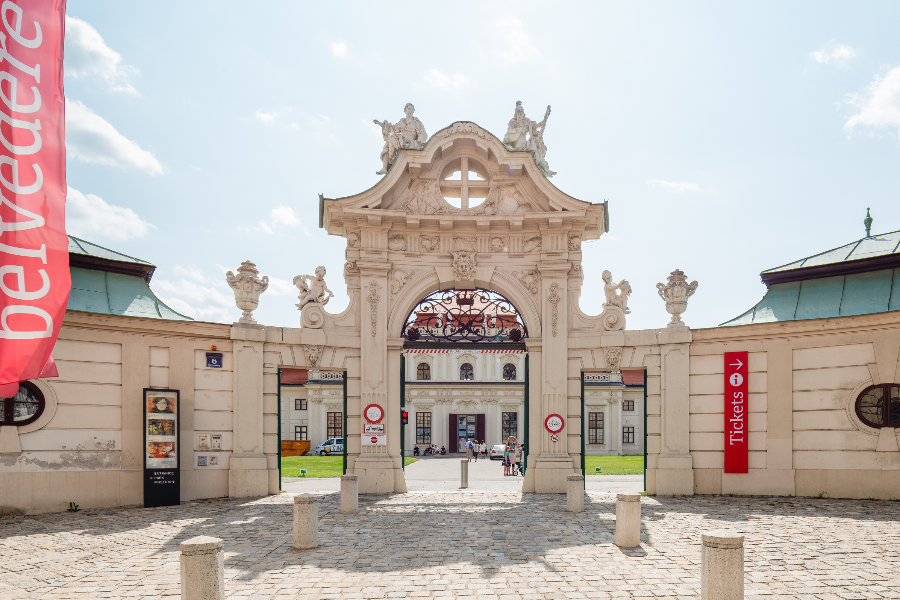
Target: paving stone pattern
499, 545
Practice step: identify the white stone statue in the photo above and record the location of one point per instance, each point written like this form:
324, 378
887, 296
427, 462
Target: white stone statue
616, 293
247, 287
675, 293
313, 289
406, 133
525, 134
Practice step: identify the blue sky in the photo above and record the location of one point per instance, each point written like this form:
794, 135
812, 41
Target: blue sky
728, 137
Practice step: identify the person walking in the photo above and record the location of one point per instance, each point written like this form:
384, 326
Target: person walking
483, 449
475, 449
469, 450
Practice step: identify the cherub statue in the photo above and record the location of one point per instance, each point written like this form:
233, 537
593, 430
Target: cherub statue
313, 289
612, 291
406, 133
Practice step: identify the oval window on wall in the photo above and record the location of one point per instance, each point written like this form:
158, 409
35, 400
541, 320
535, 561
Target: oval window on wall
879, 405
25, 407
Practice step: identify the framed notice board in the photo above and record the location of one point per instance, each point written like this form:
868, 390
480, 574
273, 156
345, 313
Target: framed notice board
162, 441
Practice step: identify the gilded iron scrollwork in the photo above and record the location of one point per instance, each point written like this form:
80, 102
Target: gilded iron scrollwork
477, 315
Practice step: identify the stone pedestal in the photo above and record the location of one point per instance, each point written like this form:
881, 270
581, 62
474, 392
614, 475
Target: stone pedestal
628, 520
202, 569
349, 494
575, 493
722, 566
306, 521
550, 473
464, 474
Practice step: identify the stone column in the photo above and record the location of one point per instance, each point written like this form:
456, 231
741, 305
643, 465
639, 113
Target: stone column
202, 569
722, 566
248, 475
575, 493
674, 466
306, 521
628, 520
349, 494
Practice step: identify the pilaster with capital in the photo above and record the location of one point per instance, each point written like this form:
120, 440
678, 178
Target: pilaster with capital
674, 465
554, 316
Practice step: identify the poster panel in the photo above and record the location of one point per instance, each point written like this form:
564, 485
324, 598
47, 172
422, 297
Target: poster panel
736, 392
34, 277
162, 485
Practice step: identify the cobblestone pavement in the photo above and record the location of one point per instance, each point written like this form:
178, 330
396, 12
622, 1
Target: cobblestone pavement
487, 546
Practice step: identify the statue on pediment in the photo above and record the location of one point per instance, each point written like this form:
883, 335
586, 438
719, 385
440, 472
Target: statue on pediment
616, 293
524, 134
405, 133
313, 289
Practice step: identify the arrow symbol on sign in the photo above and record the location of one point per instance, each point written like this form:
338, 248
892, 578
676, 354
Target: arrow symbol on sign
739, 364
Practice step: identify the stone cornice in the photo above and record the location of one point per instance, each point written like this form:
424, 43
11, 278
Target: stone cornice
82, 320
887, 321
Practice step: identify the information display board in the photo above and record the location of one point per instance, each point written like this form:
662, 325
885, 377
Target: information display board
162, 477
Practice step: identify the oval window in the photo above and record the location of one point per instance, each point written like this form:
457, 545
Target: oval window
879, 405
23, 408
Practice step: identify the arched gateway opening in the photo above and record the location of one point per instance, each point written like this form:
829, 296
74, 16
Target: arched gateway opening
464, 385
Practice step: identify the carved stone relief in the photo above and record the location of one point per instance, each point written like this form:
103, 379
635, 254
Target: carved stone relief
532, 244
399, 278
465, 243
462, 127
613, 357
529, 279
352, 239
574, 243
313, 355
397, 243
554, 298
499, 244
429, 243
373, 297
463, 265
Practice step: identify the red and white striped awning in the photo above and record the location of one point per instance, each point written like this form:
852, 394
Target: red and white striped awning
459, 350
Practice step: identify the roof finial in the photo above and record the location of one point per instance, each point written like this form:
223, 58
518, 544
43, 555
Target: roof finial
868, 223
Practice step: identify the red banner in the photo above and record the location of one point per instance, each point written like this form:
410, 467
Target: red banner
34, 257
736, 390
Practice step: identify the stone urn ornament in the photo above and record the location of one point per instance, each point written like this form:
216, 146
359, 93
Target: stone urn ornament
676, 293
247, 286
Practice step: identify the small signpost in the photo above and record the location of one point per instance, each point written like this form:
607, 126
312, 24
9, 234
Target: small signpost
373, 430
736, 393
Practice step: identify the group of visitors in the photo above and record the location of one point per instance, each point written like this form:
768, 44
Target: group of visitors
513, 457
473, 449
431, 450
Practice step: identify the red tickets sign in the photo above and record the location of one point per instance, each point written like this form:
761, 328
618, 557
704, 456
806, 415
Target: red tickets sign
736, 375
34, 257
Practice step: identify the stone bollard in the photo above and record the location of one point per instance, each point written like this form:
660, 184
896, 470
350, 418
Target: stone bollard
349, 494
722, 566
575, 492
202, 569
306, 521
628, 520
464, 474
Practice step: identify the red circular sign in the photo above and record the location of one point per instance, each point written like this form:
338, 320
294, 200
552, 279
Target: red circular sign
374, 440
554, 437
554, 423
373, 413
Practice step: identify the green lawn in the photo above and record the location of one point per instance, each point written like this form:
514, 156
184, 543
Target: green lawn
614, 465
317, 466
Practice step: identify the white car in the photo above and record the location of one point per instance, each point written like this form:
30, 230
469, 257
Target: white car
332, 446
497, 451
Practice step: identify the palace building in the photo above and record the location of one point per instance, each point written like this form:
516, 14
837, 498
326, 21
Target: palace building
464, 269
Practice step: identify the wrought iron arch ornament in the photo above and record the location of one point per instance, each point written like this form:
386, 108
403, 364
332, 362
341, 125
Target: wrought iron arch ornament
478, 315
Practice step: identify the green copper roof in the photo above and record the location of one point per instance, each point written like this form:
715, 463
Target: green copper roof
100, 286
867, 247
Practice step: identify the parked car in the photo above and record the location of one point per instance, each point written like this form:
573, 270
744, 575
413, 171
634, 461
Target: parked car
497, 451
332, 446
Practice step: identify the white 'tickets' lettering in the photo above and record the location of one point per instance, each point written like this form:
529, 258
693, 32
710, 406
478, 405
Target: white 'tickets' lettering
15, 309
13, 185
16, 32
21, 293
32, 127
12, 100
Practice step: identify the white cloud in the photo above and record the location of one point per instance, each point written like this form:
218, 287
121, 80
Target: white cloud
837, 54
91, 139
197, 295
279, 216
445, 82
88, 55
281, 287
90, 217
517, 45
339, 49
878, 104
266, 117
676, 187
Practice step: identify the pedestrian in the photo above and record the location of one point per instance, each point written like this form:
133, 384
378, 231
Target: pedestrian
483, 449
506, 470
469, 450
475, 448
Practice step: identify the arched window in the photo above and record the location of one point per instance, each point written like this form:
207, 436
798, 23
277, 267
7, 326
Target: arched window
423, 372
466, 372
509, 372
23, 408
879, 405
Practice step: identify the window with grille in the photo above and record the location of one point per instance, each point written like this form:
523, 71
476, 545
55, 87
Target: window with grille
879, 405
466, 372
628, 435
300, 433
423, 372
423, 427
595, 428
510, 425
25, 407
509, 372
300, 404
628, 405
335, 425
